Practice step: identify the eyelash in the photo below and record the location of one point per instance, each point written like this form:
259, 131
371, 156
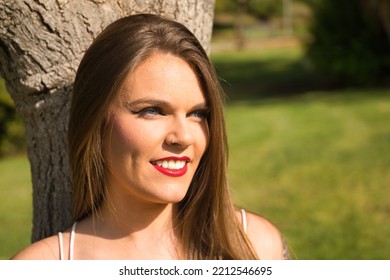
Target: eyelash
153, 111
201, 114
149, 111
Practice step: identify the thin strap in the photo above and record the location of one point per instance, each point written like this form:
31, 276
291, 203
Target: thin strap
243, 218
60, 243
71, 243
286, 253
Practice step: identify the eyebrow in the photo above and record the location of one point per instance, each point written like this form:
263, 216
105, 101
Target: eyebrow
146, 101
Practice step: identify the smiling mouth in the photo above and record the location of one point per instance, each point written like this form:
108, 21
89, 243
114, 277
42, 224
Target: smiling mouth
171, 167
171, 164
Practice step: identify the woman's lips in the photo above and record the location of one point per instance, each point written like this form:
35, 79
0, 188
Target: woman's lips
172, 166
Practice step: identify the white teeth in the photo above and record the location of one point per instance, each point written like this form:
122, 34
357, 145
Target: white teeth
179, 164
171, 164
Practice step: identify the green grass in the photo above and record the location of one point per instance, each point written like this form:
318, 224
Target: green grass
319, 168
15, 205
315, 163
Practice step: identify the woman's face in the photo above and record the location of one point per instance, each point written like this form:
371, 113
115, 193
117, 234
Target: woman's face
157, 132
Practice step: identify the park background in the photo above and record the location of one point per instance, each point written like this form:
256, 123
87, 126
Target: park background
308, 111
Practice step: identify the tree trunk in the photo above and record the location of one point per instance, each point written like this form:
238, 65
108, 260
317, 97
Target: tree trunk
379, 9
41, 44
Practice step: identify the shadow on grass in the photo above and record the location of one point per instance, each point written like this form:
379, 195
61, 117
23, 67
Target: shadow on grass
252, 78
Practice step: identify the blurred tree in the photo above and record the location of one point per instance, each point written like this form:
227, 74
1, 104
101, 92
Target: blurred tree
287, 17
350, 42
380, 9
264, 10
239, 24
41, 44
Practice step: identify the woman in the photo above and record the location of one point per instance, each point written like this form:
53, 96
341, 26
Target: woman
148, 155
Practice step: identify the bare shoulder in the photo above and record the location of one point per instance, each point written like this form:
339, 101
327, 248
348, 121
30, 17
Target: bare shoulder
265, 237
45, 249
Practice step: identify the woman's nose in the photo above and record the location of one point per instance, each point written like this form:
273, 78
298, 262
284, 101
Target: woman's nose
180, 133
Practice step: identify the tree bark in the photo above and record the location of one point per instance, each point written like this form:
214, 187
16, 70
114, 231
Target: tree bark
379, 9
41, 44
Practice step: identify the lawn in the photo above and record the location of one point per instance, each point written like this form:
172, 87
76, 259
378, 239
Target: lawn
15, 205
319, 168
315, 162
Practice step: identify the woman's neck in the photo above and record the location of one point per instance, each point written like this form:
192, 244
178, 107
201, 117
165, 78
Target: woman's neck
134, 218
143, 230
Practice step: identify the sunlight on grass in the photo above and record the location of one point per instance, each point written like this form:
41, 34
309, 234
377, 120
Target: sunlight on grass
318, 167
15, 205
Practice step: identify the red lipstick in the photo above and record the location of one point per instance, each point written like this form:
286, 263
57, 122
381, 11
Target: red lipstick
171, 166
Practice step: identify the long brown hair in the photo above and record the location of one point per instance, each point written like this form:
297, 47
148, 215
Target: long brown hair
207, 220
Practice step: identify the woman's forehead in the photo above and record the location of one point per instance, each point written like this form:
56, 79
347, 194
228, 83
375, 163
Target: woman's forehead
162, 76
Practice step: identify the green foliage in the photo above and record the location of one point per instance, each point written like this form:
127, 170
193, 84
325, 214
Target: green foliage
311, 3
12, 139
349, 43
225, 6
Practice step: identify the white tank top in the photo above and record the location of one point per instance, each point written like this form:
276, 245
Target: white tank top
71, 243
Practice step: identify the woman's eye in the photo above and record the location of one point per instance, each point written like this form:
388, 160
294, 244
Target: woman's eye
150, 111
200, 114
